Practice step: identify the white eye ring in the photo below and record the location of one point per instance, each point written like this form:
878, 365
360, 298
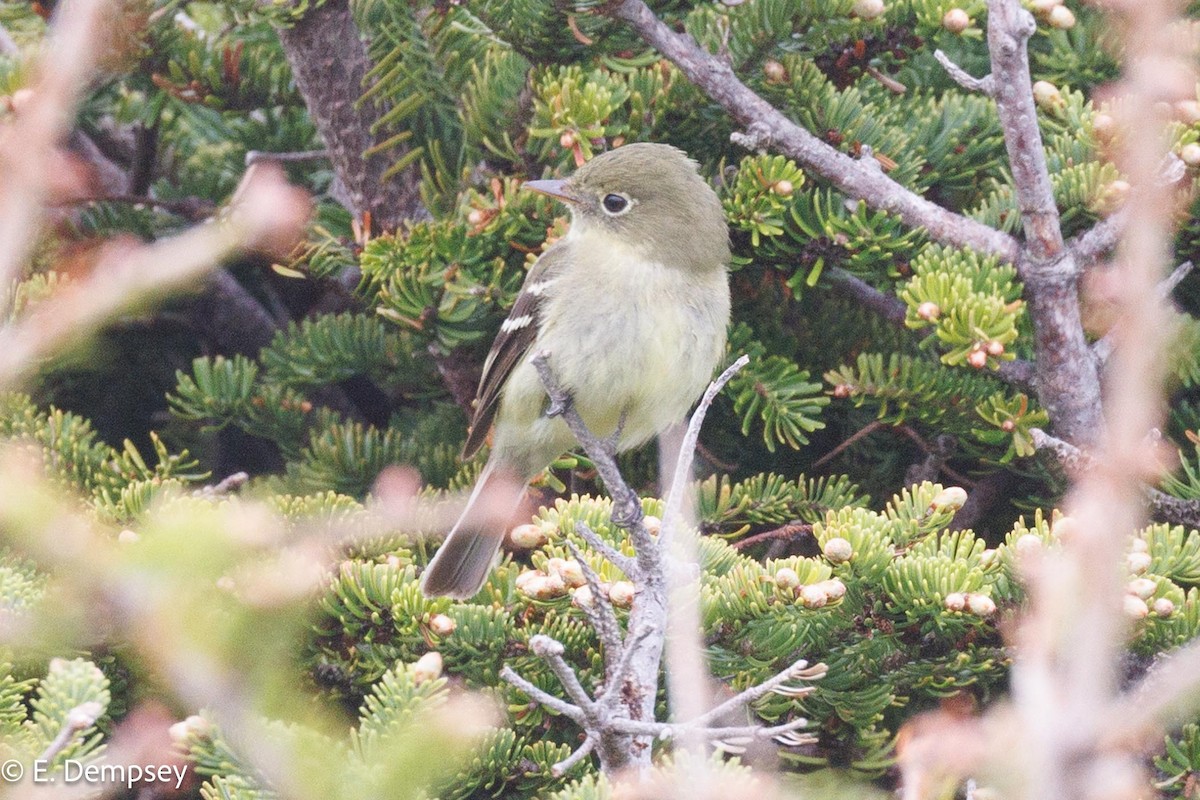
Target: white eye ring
616, 203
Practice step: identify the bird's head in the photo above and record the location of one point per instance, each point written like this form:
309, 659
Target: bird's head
651, 198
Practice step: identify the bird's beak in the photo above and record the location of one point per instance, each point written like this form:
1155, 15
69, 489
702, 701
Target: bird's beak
556, 189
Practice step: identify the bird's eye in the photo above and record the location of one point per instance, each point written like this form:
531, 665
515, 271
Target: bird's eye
615, 203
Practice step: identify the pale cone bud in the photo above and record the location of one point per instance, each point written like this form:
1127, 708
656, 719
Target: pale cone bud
1188, 111
995, 348
1104, 126
1061, 17
955, 601
428, 667
653, 524
583, 597
1047, 95
929, 311
570, 572
1163, 607
1142, 587
952, 498
476, 216
786, 578
1135, 607
989, 558
783, 188
193, 725
621, 594
774, 71
956, 20
833, 588
813, 596
838, 550
977, 359
868, 9
1027, 545
84, 715
528, 536
1138, 562
1045, 6
442, 625
981, 605
1190, 154
1138, 546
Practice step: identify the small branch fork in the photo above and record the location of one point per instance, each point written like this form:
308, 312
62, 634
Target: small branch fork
619, 720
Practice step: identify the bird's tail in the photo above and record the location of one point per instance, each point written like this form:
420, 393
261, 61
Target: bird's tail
464, 560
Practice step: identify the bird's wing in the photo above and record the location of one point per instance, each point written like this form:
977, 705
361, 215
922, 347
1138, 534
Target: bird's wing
512, 343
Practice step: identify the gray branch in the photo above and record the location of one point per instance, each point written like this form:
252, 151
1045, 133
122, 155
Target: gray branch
984, 85
1162, 506
768, 127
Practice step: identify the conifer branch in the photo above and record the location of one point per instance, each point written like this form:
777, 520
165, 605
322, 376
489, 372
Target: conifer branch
767, 127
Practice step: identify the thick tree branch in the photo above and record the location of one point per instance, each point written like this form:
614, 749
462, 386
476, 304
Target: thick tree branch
1068, 379
329, 62
768, 127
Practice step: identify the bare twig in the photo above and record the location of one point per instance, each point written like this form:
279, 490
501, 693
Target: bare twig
256, 156
226, 485
600, 611
546, 699
963, 78
78, 719
791, 530
623, 562
583, 751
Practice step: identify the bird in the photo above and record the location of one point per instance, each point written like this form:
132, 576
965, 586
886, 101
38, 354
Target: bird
630, 307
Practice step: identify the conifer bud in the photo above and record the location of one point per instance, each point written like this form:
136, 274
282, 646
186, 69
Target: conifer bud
1136, 607
995, 348
955, 601
868, 9
1044, 7
1028, 544
476, 217
977, 358
929, 311
1138, 546
583, 597
653, 524
1163, 607
20, 99
833, 588
783, 188
1104, 126
1008, 426
569, 570
838, 550
786, 578
952, 498
1187, 111
841, 391
1061, 17
568, 140
1190, 154
427, 668
528, 536
1138, 562
1047, 96
127, 537
442, 624
956, 20
981, 605
1142, 587
813, 596
621, 594
989, 558
774, 71
195, 725
1113, 196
